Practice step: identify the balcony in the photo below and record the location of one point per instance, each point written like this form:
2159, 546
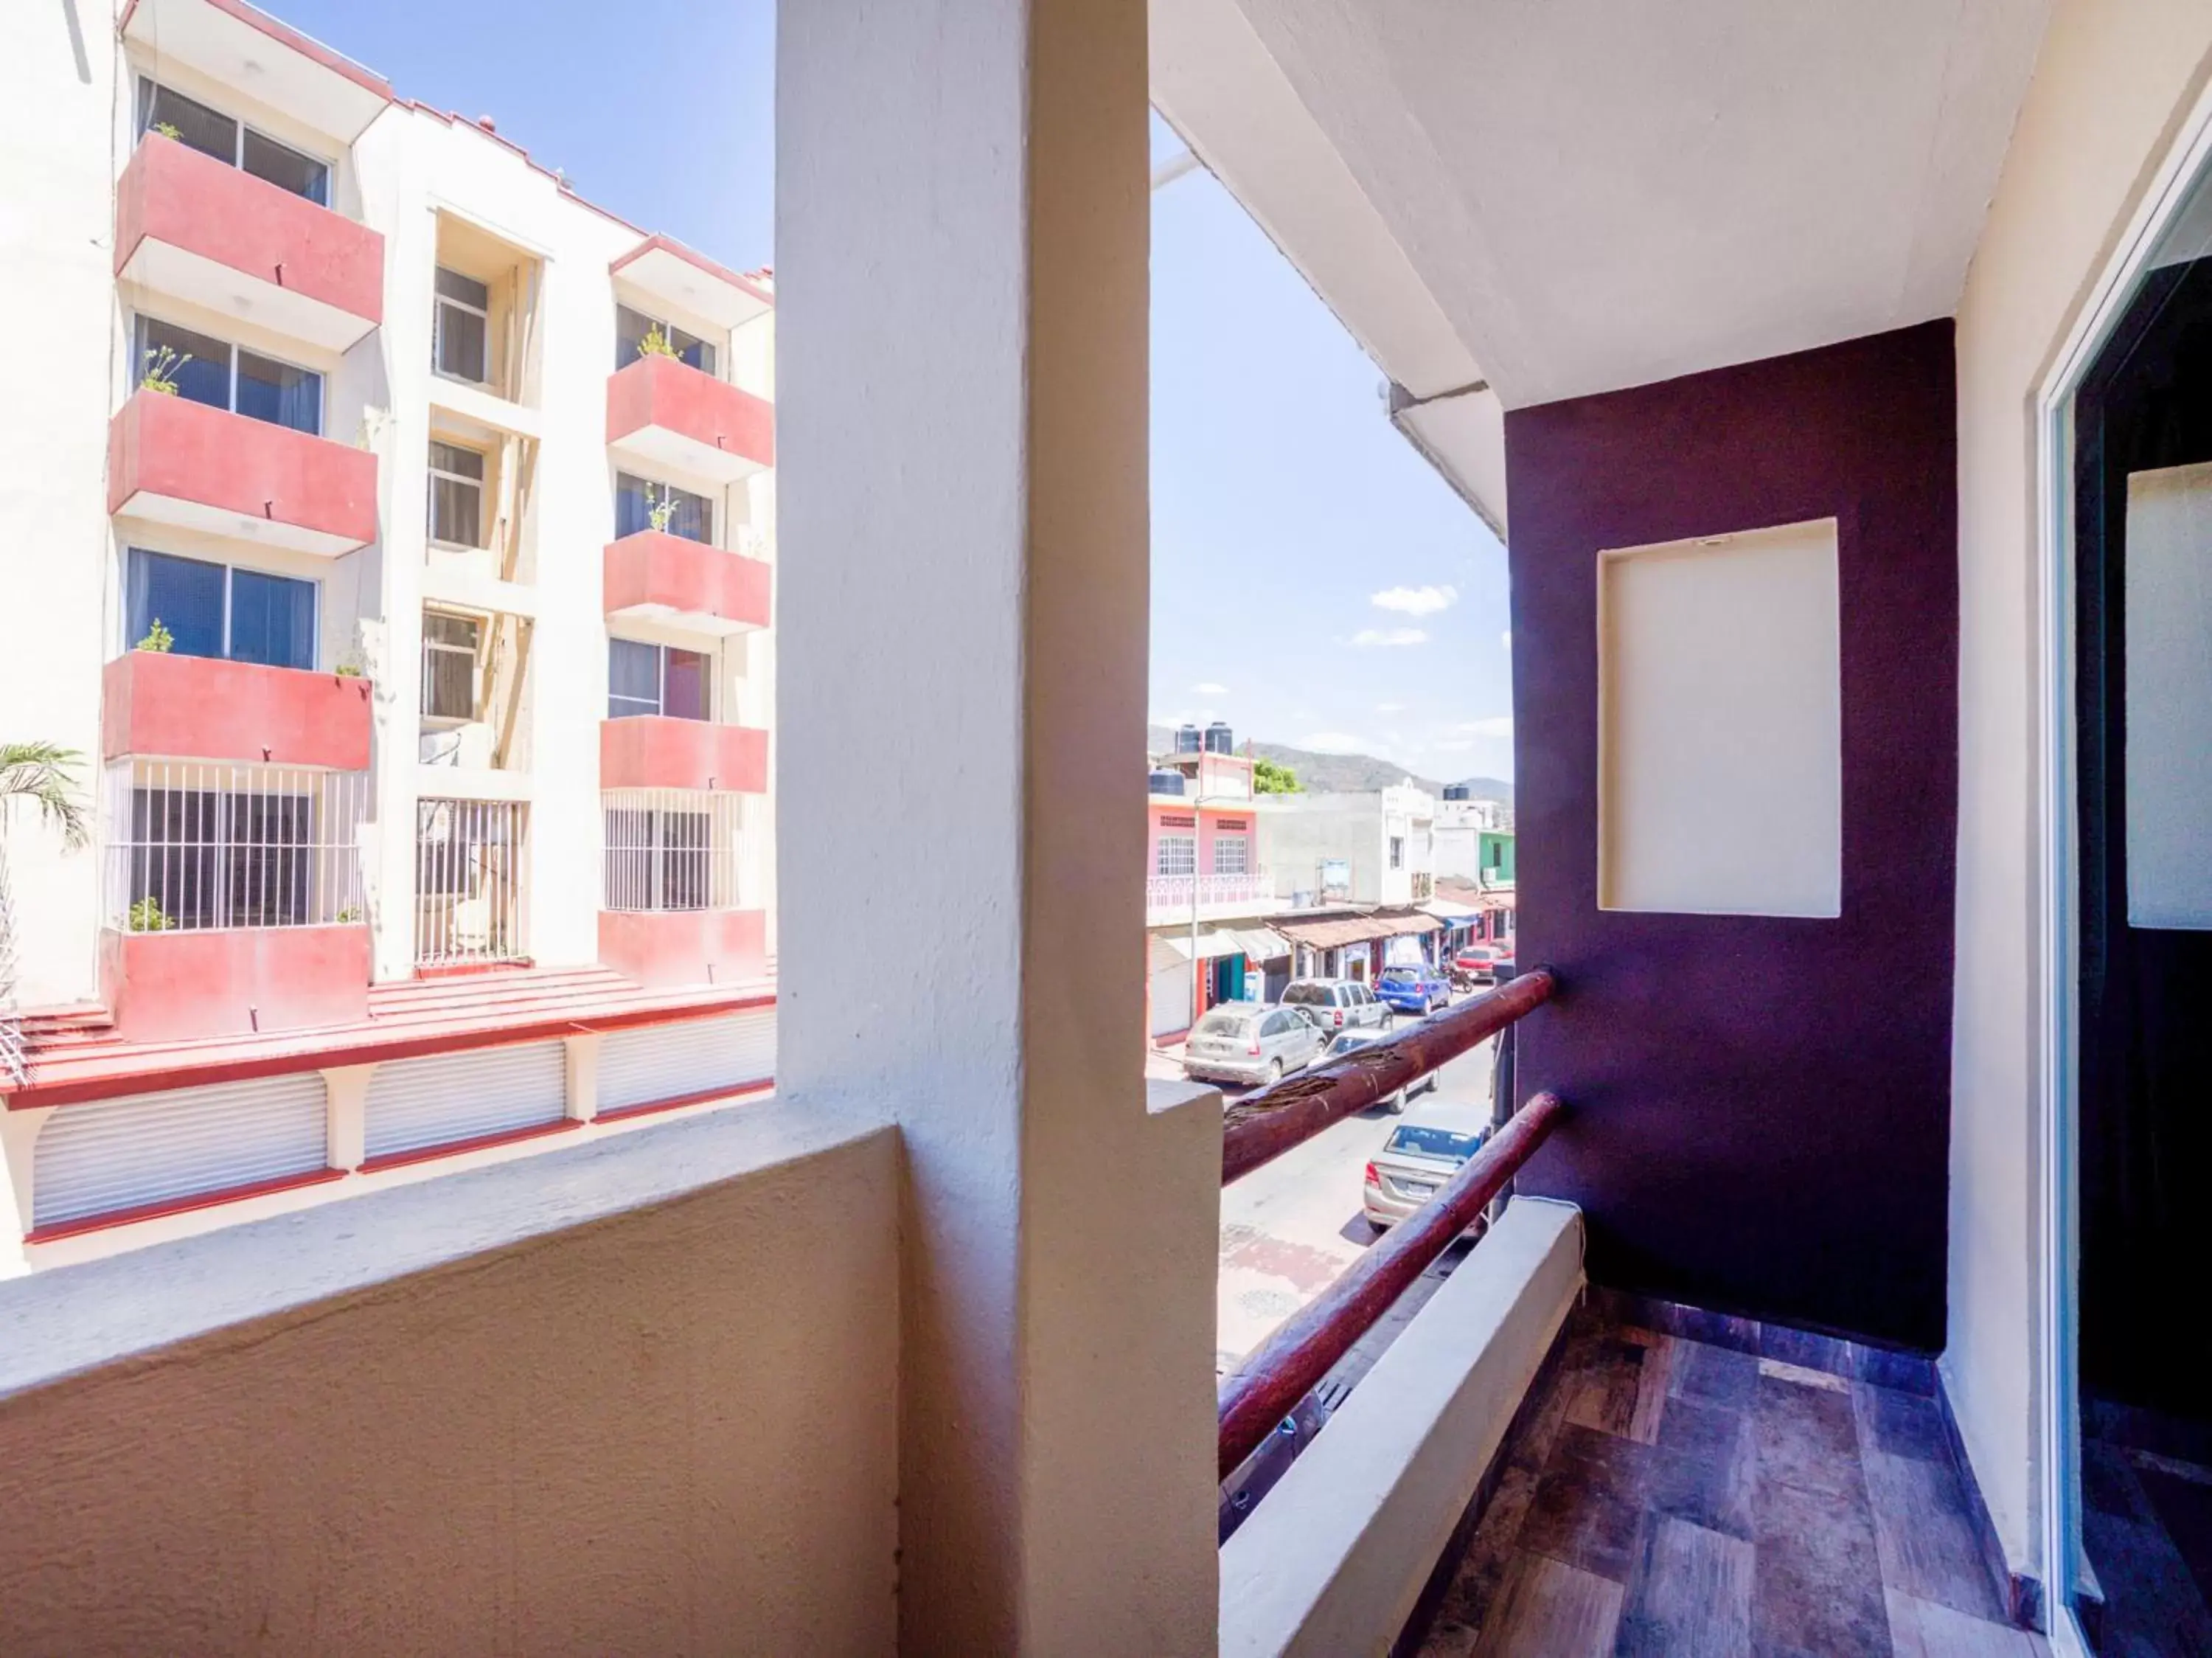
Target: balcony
232, 897
668, 578
191, 228
673, 275
654, 752
1168, 898
664, 948
667, 415
185, 465
156, 703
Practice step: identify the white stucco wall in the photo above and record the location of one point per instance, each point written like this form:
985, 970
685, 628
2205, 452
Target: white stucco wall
56, 242
1298, 833
2113, 83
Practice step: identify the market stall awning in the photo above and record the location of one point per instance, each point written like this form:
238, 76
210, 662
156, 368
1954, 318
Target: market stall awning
1333, 932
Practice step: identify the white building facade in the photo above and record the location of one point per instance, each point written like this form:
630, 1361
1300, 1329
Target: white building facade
1374, 848
391, 534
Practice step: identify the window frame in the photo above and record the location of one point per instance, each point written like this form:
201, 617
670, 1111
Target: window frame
439, 300
1160, 859
314, 584
1242, 843
711, 658
1397, 851
430, 491
148, 87
447, 722
140, 320
717, 353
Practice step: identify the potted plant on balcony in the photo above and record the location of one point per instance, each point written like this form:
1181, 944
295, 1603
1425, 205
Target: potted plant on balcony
44, 774
158, 638
159, 369
659, 510
657, 343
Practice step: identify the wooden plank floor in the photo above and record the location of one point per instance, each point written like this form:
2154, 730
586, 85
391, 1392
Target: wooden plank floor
1664, 1495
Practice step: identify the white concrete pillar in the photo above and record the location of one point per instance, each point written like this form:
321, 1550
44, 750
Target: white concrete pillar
345, 1114
581, 1064
19, 1139
962, 283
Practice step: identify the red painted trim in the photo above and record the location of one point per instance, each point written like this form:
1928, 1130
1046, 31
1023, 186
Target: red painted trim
733, 1091
660, 390
284, 34
178, 1070
654, 750
172, 446
455, 1147
236, 1194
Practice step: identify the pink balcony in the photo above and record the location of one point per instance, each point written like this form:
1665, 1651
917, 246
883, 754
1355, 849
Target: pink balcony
659, 947
665, 415
164, 986
177, 462
159, 704
191, 228
654, 753
665, 578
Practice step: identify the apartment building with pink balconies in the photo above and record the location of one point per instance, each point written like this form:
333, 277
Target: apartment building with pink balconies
395, 545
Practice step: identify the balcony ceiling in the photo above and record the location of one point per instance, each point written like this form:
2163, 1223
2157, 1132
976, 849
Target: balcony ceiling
1545, 198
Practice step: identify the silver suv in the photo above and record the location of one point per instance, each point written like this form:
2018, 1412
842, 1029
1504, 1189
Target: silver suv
1245, 1042
1336, 1004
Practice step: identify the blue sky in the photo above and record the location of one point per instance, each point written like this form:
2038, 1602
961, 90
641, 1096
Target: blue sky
1314, 582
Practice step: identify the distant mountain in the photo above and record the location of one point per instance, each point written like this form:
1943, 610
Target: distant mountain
1348, 774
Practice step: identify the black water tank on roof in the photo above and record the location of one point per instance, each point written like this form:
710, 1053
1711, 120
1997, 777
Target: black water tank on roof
1458, 791
1188, 739
1218, 739
1166, 781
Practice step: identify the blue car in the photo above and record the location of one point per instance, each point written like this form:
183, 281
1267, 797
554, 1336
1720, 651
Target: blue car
1417, 991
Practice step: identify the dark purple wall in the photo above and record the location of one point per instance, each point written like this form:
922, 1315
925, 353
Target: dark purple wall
1761, 1108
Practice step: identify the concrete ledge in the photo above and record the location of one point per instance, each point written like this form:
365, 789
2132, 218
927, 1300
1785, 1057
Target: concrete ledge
1334, 1557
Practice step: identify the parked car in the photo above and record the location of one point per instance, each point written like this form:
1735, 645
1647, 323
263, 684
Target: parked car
1418, 1157
1352, 1041
1335, 1004
1418, 990
1477, 963
1246, 1042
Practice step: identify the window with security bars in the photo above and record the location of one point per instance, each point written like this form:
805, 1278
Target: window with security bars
1232, 855
468, 898
1176, 855
671, 849
194, 847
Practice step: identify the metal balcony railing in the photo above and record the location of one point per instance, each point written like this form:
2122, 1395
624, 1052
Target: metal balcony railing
1269, 1386
469, 897
672, 849
194, 846
1178, 892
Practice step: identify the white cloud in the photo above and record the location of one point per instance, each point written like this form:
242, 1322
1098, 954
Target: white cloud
1207, 688
1389, 708
1454, 745
1414, 601
1333, 742
1390, 636
1498, 725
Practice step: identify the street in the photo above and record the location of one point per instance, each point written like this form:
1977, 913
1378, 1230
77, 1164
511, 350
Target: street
1289, 1230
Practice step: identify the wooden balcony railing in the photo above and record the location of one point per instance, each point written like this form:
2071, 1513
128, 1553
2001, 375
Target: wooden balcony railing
1269, 1384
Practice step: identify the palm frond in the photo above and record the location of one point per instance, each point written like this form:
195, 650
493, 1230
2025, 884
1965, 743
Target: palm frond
45, 774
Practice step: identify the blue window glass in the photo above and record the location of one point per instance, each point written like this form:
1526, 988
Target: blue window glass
272, 619
196, 365
691, 516
279, 393
183, 594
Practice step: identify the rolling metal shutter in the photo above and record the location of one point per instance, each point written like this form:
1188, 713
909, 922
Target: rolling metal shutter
653, 1062
147, 1148
444, 1097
